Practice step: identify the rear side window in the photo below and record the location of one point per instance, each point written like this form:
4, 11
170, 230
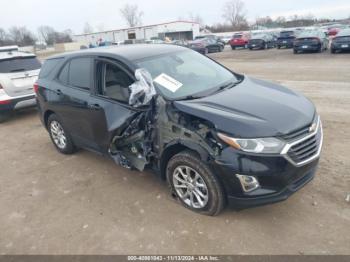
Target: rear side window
19, 64
63, 76
48, 66
80, 73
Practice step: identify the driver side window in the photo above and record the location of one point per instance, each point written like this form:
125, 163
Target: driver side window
113, 82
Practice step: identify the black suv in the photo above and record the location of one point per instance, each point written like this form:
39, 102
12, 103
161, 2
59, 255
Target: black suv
217, 137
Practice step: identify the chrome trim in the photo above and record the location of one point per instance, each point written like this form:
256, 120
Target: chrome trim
288, 146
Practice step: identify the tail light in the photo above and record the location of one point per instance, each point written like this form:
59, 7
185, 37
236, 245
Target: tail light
36, 88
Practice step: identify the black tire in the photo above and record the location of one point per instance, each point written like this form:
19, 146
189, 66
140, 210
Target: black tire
278, 47
333, 51
4, 117
69, 147
215, 192
233, 47
295, 51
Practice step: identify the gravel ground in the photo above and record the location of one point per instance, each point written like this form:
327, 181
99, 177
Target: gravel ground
85, 204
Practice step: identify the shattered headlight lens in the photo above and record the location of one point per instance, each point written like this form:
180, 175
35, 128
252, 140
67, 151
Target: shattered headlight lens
268, 145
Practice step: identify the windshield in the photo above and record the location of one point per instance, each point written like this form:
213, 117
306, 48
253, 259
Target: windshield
186, 73
287, 34
19, 64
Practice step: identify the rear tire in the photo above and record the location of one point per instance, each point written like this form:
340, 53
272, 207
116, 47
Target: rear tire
60, 136
194, 184
295, 51
333, 51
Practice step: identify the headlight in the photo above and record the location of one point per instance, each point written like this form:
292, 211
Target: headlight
257, 145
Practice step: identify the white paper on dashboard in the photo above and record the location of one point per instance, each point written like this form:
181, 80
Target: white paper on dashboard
168, 82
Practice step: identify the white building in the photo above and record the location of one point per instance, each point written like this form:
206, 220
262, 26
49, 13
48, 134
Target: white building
174, 30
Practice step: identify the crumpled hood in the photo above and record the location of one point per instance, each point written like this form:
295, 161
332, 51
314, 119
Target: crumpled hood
254, 108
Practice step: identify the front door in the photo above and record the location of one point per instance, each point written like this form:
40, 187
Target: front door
110, 100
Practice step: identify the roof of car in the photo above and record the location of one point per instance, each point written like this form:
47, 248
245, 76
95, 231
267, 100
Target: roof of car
14, 54
309, 33
344, 32
127, 52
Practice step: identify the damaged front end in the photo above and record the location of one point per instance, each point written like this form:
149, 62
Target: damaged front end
158, 127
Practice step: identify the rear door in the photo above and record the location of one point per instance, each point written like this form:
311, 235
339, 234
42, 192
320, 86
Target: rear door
18, 74
70, 96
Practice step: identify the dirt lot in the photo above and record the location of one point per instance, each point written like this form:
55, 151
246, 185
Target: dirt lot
85, 204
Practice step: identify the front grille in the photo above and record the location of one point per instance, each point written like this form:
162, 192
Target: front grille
304, 150
304, 146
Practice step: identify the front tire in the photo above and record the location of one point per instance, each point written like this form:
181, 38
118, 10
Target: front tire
195, 185
60, 136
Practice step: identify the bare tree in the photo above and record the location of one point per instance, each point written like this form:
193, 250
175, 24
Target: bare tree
2, 35
47, 34
88, 29
234, 13
21, 36
132, 15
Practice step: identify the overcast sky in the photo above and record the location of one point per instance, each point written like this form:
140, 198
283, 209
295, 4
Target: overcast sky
64, 14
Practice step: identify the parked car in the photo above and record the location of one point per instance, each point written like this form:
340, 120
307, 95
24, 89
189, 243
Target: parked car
239, 40
332, 32
341, 42
226, 39
311, 40
261, 41
179, 42
206, 45
286, 39
214, 37
18, 72
217, 137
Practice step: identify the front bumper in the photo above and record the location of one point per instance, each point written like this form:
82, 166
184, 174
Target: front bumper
201, 50
278, 178
14, 103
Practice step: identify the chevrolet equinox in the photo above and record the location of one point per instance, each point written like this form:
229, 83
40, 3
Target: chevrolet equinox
217, 137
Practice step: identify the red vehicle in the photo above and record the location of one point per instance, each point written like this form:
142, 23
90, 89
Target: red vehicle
239, 40
332, 32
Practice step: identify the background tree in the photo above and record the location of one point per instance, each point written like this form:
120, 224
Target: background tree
234, 14
132, 15
21, 36
88, 29
47, 34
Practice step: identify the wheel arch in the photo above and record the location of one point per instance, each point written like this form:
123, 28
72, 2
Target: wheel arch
47, 114
176, 147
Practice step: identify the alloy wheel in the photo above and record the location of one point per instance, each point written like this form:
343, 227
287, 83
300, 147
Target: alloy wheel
58, 135
190, 187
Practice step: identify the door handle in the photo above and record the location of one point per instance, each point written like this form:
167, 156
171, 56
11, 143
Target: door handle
58, 92
94, 106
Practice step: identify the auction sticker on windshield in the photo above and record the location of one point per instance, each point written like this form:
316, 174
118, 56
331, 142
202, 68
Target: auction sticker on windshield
168, 82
